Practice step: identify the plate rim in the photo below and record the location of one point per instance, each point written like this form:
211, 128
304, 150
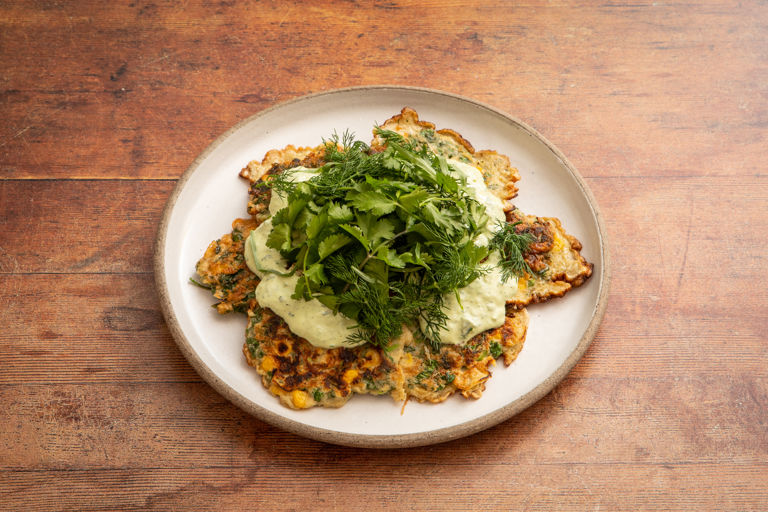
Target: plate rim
398, 440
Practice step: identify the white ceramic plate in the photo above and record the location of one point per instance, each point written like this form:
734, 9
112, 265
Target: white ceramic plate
210, 195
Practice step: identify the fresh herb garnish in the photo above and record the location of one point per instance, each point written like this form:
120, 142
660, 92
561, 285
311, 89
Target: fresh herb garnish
511, 246
383, 236
380, 237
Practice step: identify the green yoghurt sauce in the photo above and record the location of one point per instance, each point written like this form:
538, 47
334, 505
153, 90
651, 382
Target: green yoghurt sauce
482, 301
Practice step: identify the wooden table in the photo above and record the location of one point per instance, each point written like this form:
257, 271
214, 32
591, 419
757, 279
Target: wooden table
662, 107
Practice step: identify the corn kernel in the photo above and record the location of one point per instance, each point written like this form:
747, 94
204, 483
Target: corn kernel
350, 375
299, 398
558, 243
268, 363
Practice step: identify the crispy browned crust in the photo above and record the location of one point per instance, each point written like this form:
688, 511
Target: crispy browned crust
498, 172
554, 255
302, 375
408, 124
434, 376
259, 173
289, 156
222, 268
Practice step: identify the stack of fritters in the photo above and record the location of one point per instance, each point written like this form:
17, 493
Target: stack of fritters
302, 375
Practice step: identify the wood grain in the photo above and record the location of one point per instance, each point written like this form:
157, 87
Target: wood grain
148, 71
663, 107
117, 425
80, 226
492, 487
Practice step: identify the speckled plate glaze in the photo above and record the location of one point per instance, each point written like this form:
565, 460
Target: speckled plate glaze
209, 195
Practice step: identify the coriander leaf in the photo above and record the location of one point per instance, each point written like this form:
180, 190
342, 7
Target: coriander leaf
415, 257
348, 308
478, 215
280, 237
298, 200
365, 199
444, 180
421, 165
332, 243
339, 213
316, 225
411, 201
390, 257
390, 162
303, 219
315, 273
356, 232
280, 217
329, 300
389, 185
474, 253
440, 217
375, 229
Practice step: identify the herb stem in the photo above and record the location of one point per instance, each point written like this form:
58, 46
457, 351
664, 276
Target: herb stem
385, 243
